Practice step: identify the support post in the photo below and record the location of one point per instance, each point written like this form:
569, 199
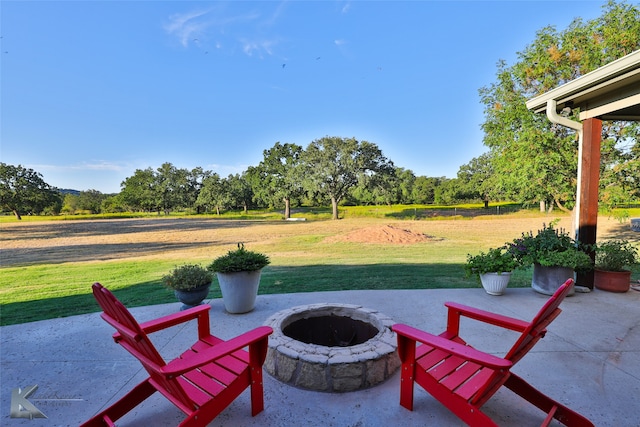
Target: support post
588, 195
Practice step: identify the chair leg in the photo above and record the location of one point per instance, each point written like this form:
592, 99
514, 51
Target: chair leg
126, 403
257, 392
406, 385
557, 410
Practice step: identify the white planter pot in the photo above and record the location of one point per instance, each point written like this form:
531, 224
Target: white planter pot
495, 283
239, 290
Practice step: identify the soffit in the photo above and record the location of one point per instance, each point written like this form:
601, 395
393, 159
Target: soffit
611, 92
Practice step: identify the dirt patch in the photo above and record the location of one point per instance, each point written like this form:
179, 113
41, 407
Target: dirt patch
382, 234
29, 243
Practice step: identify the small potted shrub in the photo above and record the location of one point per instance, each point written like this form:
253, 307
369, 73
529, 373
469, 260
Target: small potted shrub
555, 256
613, 258
238, 273
494, 268
190, 284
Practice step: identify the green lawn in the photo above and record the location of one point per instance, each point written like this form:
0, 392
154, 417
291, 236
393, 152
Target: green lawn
303, 260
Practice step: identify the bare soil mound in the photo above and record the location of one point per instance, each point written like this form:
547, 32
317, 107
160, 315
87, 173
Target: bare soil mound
382, 234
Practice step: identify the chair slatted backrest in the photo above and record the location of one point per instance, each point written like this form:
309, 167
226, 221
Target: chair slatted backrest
529, 337
135, 341
538, 326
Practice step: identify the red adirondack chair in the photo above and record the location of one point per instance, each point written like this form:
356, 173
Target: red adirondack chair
463, 378
203, 381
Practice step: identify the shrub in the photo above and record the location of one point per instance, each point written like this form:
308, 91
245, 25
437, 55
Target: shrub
186, 277
550, 247
615, 255
239, 260
496, 260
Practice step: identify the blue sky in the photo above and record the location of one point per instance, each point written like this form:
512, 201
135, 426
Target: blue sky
93, 90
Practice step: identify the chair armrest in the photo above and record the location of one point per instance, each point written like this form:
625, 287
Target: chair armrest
452, 347
486, 316
200, 312
180, 366
176, 319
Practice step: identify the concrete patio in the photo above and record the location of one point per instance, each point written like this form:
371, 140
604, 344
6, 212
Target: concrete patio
589, 360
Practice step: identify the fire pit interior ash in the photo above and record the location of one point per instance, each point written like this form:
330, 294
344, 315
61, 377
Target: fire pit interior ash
331, 347
331, 331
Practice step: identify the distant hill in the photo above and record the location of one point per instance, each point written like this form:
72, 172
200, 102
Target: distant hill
68, 191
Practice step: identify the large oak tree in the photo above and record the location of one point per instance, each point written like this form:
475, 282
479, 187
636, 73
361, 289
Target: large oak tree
535, 160
277, 179
23, 190
334, 165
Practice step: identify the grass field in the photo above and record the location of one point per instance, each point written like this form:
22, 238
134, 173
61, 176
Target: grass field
48, 266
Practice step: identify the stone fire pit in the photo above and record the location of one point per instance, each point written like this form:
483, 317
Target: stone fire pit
331, 347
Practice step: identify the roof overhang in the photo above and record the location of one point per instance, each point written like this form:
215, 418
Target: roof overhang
611, 92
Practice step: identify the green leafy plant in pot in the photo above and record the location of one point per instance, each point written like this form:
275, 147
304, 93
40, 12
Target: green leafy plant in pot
190, 284
554, 254
493, 267
238, 274
613, 258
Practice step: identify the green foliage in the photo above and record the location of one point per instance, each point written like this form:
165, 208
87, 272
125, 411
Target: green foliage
477, 180
621, 215
550, 247
535, 160
333, 166
215, 193
89, 201
240, 191
23, 191
239, 260
162, 190
615, 255
277, 180
495, 260
186, 277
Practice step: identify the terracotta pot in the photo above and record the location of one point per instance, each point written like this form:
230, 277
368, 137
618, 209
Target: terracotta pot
612, 281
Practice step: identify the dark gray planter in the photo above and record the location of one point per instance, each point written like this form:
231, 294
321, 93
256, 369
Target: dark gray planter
192, 297
547, 280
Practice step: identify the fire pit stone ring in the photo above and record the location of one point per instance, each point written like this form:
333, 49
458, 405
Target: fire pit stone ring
331, 347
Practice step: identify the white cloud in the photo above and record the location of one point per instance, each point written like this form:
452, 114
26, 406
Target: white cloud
226, 170
251, 47
187, 26
199, 27
89, 166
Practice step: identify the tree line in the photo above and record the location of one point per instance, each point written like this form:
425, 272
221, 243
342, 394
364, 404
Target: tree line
330, 171
529, 159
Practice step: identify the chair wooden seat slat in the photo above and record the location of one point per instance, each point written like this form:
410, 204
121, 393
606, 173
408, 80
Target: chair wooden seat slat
202, 381
463, 378
448, 365
460, 376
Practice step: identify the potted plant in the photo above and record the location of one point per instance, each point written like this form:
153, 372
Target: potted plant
494, 268
190, 284
612, 260
238, 274
555, 257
